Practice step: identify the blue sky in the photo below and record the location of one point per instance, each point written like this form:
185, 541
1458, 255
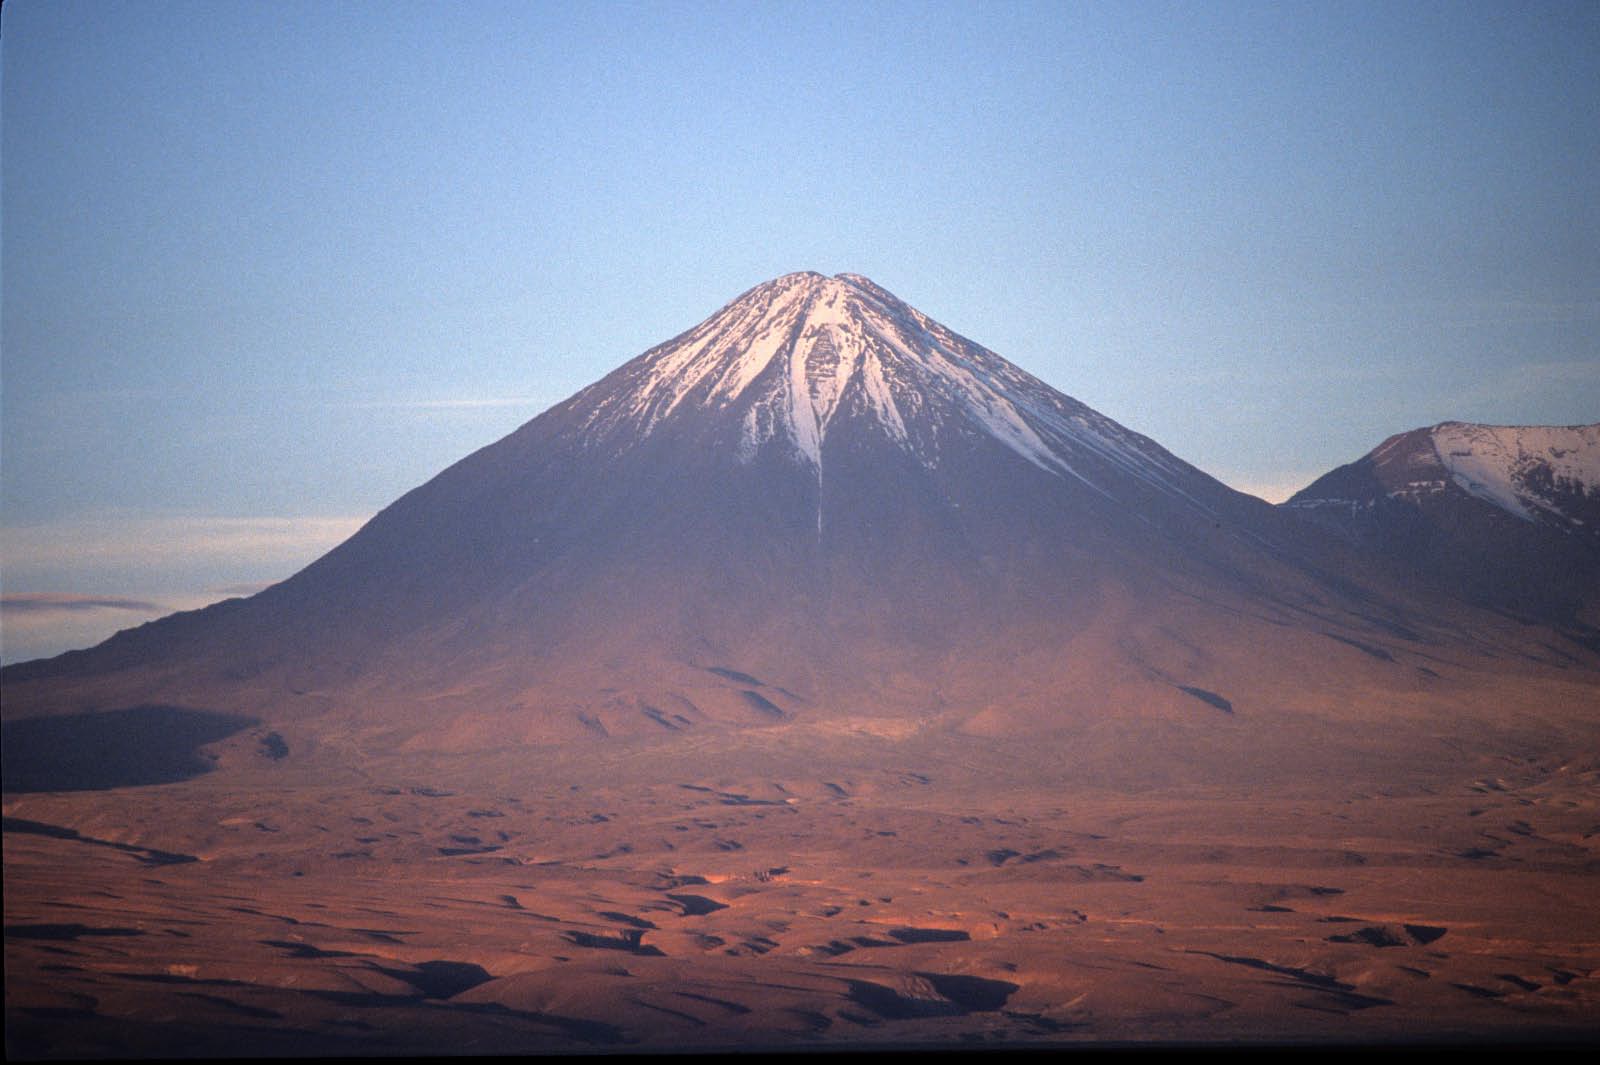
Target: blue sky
266, 266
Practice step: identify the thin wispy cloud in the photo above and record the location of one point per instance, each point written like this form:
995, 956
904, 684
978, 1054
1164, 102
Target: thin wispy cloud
247, 589
139, 539
456, 404
68, 603
125, 569
39, 624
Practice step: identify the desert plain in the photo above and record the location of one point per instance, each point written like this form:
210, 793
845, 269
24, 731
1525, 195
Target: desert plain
1187, 876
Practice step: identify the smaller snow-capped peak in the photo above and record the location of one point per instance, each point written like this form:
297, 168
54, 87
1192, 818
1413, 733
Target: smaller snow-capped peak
1528, 470
1543, 474
791, 356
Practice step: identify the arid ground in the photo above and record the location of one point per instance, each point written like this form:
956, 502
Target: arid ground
857, 882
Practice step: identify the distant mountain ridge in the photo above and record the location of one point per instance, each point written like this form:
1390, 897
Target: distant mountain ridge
1507, 515
1540, 473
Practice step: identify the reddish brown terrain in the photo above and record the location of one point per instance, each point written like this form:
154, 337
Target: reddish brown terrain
925, 885
817, 679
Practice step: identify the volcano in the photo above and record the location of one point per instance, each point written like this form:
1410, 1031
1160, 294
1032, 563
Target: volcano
817, 678
1507, 516
817, 498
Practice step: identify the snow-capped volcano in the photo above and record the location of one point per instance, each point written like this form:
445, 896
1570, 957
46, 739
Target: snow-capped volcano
797, 353
818, 501
1546, 474
1509, 515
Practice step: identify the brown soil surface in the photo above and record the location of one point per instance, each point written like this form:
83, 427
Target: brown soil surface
803, 886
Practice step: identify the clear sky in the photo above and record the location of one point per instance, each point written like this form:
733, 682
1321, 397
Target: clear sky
268, 265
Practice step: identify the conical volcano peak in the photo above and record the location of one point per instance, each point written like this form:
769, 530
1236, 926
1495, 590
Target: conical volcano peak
809, 299
791, 359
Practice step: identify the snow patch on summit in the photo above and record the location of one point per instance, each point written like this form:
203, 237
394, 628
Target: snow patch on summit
1517, 467
791, 355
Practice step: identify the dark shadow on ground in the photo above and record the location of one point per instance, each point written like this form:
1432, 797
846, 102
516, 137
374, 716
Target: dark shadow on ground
147, 855
1211, 698
111, 748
